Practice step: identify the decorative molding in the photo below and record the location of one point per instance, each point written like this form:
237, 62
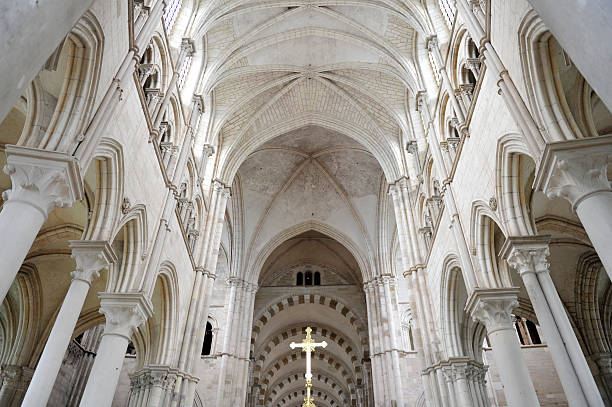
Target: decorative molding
527, 254
575, 169
493, 307
124, 312
43, 179
91, 256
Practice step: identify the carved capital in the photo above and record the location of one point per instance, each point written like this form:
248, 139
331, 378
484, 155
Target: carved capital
575, 169
431, 43
91, 256
16, 377
493, 307
220, 187
421, 101
43, 179
188, 46
453, 143
396, 187
124, 312
527, 254
146, 70
208, 150
412, 147
466, 89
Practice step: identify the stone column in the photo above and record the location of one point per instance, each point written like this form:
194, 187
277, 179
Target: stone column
529, 256
149, 385
41, 181
124, 312
15, 381
434, 49
492, 307
449, 198
90, 257
577, 170
464, 396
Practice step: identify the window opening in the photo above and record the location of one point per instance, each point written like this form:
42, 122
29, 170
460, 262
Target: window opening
533, 332
299, 279
208, 337
317, 278
308, 278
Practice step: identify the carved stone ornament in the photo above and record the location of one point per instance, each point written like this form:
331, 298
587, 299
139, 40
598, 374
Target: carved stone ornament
453, 143
124, 312
412, 147
493, 307
527, 254
208, 150
188, 46
575, 169
43, 179
493, 203
125, 205
91, 256
220, 187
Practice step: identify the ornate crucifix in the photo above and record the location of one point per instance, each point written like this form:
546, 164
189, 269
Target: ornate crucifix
308, 346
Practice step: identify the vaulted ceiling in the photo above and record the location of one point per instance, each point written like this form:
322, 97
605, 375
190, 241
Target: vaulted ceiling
307, 108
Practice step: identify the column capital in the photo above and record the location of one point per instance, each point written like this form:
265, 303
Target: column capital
43, 179
208, 150
575, 169
431, 42
124, 312
401, 182
527, 254
91, 256
16, 377
220, 187
188, 46
493, 307
198, 102
412, 147
421, 100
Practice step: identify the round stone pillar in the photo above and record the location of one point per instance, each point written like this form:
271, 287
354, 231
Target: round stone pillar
41, 181
577, 170
91, 257
124, 312
493, 308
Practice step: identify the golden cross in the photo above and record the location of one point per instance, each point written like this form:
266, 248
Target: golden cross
308, 346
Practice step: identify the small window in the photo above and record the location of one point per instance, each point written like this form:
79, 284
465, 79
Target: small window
208, 337
131, 350
299, 279
317, 278
533, 332
308, 278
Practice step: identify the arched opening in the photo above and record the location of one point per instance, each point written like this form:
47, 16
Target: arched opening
300, 278
208, 339
308, 278
280, 319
